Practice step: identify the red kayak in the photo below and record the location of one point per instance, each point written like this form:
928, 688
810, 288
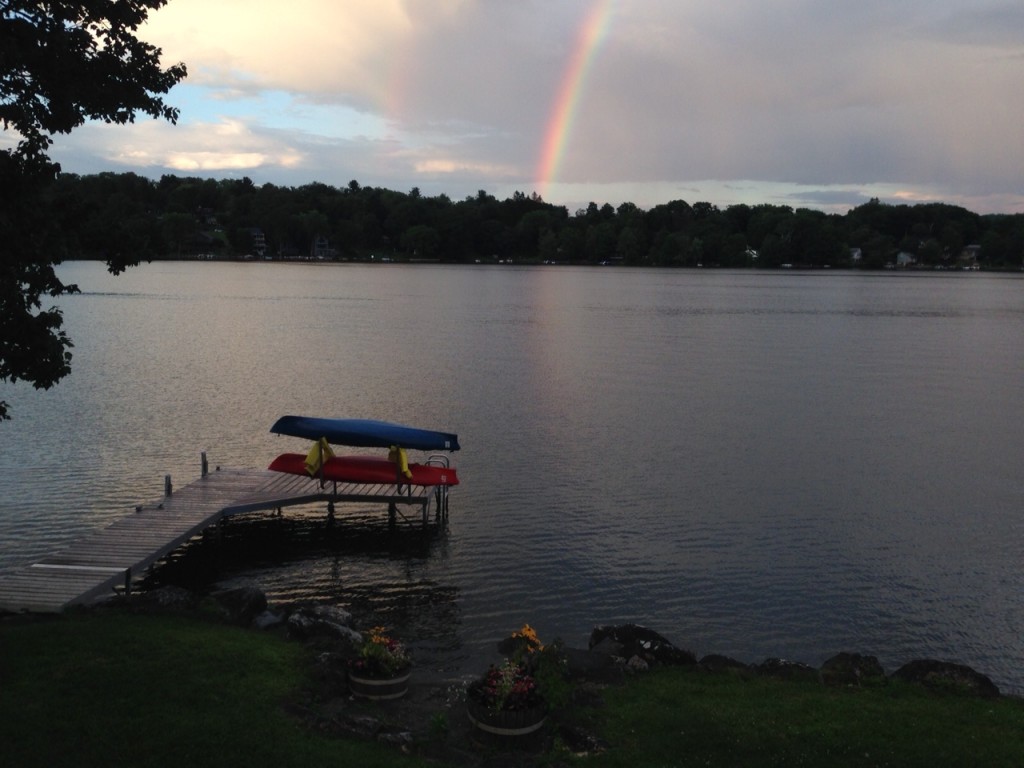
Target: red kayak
366, 469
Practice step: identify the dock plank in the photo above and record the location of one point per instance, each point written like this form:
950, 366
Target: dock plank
100, 562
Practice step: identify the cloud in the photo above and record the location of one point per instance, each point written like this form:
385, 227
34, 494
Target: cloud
811, 94
999, 26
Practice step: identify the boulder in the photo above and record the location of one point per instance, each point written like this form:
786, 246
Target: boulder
167, 598
636, 664
782, 669
395, 737
852, 669
242, 604
268, 620
323, 620
629, 640
715, 662
947, 676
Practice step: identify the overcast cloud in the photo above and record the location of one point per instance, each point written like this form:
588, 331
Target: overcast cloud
816, 103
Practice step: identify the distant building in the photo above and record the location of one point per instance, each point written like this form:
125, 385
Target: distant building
258, 242
968, 258
321, 249
905, 259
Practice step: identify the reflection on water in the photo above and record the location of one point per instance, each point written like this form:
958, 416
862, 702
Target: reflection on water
357, 560
753, 464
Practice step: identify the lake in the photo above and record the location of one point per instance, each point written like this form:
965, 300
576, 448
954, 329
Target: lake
756, 464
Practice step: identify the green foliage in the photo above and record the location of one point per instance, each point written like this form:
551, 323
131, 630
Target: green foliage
176, 217
67, 62
551, 672
61, 64
439, 726
380, 655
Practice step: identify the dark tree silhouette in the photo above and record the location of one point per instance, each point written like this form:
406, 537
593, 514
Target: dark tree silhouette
61, 64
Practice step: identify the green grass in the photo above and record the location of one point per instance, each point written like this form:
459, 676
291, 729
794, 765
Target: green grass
105, 689
113, 689
687, 717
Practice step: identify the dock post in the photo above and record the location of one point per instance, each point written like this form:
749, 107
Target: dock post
203, 463
167, 485
392, 514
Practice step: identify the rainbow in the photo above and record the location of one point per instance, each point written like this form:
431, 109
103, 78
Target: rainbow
559, 126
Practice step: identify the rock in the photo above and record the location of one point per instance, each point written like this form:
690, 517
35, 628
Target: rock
168, 598
636, 664
640, 641
852, 669
362, 727
268, 620
331, 614
241, 605
787, 670
714, 662
395, 737
607, 647
580, 742
323, 620
330, 672
947, 676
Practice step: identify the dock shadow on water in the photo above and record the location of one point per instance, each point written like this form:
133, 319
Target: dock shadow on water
383, 574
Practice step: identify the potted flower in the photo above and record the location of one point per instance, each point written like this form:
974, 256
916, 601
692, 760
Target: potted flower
381, 668
507, 700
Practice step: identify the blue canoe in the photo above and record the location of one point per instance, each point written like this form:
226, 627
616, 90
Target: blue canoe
365, 433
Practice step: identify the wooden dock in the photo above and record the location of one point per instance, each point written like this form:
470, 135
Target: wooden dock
99, 564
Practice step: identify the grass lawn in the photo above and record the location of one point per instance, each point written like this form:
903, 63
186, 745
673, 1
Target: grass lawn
110, 688
684, 716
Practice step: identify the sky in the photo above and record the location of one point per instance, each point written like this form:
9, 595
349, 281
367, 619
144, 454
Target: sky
809, 103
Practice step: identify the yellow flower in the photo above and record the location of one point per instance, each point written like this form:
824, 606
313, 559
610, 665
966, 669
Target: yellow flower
529, 634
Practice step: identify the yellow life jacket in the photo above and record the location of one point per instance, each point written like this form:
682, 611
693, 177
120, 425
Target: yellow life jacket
318, 454
397, 455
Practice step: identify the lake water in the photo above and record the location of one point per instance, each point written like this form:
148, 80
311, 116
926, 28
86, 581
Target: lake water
754, 464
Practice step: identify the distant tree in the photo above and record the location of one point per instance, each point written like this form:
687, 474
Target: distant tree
571, 241
61, 64
547, 248
528, 231
421, 241
601, 240
669, 248
179, 231
734, 251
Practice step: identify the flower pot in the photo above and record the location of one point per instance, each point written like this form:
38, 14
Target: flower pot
378, 688
516, 722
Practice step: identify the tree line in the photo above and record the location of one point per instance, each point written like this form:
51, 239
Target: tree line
118, 215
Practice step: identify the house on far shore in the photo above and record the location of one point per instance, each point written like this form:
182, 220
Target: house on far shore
321, 249
258, 242
905, 259
968, 258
